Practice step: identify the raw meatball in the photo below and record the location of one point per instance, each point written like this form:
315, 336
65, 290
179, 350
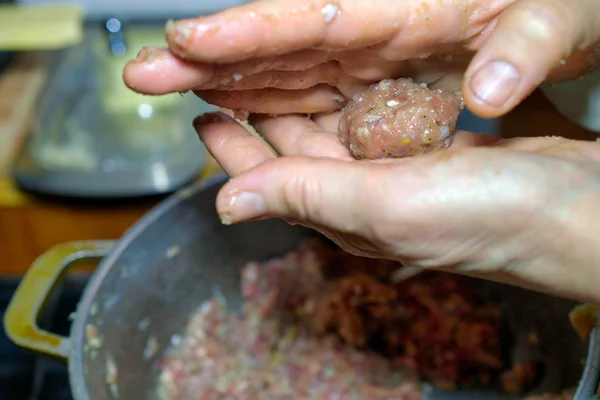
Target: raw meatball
399, 118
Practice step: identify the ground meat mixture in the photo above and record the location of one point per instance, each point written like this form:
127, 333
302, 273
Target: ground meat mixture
270, 353
430, 324
399, 118
321, 324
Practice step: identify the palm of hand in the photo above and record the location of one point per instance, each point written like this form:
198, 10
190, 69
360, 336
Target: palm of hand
453, 189
469, 209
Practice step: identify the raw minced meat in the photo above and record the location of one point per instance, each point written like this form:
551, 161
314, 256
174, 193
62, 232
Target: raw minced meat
321, 324
270, 353
399, 118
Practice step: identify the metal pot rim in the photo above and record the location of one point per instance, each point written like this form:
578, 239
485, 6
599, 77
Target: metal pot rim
77, 334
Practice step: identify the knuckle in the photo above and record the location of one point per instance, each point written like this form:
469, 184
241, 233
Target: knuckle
298, 193
546, 24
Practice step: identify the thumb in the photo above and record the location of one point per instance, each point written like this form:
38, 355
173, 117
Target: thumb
336, 194
532, 37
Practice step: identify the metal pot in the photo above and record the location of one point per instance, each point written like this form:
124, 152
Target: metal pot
144, 289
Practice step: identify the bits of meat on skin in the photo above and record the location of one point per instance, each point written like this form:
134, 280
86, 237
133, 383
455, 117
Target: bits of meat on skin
241, 115
329, 12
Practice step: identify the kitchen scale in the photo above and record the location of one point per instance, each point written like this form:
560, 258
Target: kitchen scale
92, 137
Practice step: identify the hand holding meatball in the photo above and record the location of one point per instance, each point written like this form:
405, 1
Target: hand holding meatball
290, 56
518, 211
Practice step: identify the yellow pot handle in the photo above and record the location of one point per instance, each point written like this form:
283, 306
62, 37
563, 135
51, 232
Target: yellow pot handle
28, 302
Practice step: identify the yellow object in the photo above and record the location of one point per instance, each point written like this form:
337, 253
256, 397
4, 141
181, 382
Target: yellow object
20, 320
11, 196
43, 27
584, 318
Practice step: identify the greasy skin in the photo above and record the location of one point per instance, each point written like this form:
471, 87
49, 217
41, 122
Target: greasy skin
519, 211
327, 49
399, 118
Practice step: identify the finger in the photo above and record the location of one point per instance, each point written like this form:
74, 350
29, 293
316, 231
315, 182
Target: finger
320, 98
530, 39
328, 121
579, 63
470, 139
349, 197
293, 61
234, 148
157, 71
264, 28
331, 193
444, 71
329, 73
369, 66
297, 135
451, 82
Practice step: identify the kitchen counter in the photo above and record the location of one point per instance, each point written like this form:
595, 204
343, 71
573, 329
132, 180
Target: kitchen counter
29, 226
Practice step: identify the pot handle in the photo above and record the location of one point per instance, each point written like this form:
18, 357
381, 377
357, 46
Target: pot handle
28, 302
589, 385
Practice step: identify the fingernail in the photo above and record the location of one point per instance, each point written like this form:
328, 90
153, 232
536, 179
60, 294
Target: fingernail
211, 118
241, 207
146, 55
495, 83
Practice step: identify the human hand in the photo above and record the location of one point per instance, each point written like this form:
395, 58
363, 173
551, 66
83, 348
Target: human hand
519, 211
286, 56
